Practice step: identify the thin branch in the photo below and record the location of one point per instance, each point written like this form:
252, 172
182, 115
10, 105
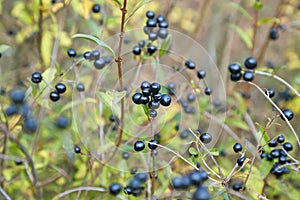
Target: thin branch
4, 194
279, 79
40, 32
84, 188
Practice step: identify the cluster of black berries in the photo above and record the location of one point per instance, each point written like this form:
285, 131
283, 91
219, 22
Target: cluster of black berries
195, 178
237, 147
19, 106
278, 154
151, 96
151, 24
200, 74
136, 184
99, 62
248, 74
140, 145
60, 88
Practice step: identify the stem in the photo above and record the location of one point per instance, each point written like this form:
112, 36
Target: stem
279, 79
4, 194
3, 160
254, 31
40, 35
28, 158
98, 189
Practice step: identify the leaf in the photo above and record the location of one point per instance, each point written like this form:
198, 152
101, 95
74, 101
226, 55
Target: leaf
265, 139
267, 20
95, 40
136, 7
193, 151
255, 183
165, 46
3, 47
47, 44
246, 38
146, 109
241, 10
77, 102
214, 151
237, 123
258, 5
115, 2
264, 167
111, 99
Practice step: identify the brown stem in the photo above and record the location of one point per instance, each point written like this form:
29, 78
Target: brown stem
3, 160
28, 158
255, 17
40, 32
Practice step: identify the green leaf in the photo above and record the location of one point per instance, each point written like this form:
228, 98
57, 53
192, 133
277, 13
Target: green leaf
264, 167
95, 40
268, 20
246, 38
237, 123
255, 183
241, 10
116, 2
258, 5
47, 43
111, 99
136, 7
265, 140
214, 151
193, 151
3, 47
165, 46
146, 109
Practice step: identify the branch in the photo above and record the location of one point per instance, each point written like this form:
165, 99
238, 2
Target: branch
86, 188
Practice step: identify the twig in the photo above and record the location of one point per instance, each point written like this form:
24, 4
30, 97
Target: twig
84, 188
40, 33
279, 79
278, 109
28, 158
4, 194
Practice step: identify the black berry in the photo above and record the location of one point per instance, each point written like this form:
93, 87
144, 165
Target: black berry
136, 50
270, 93
80, 87
60, 88
165, 100
152, 36
95, 55
236, 77
235, 68
36, 77
241, 161
237, 147
87, 55
155, 87
190, 64
288, 114
160, 18
201, 194
163, 33
163, 24
99, 63
280, 139
96, 8
250, 63
141, 43
151, 49
30, 125
151, 23
248, 75
17, 96
201, 74
72, 53
150, 14
275, 153
136, 98
274, 33
205, 138
54, 96
272, 143
125, 155
139, 146
77, 149
288, 146
208, 91
152, 144
62, 122
115, 188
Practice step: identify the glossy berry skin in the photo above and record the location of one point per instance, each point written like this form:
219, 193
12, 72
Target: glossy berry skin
136, 50
60, 88
201, 194
190, 97
272, 143
201, 74
151, 49
135, 184
270, 93
151, 23
282, 159
141, 43
157, 96
248, 75
273, 34
139, 146
234, 68
237, 147
208, 91
142, 176
54, 96
136, 98
190, 64
250, 63
152, 144
237, 186
150, 14
163, 24
288, 114
144, 99
152, 36
11, 110
87, 55
275, 153
145, 84
77, 149
205, 138
96, 8
241, 161
153, 113
72, 53
115, 188
280, 139
99, 63
288, 146
80, 87
146, 92
18, 161
95, 55
165, 100
155, 88
160, 18
36, 77
154, 104
125, 155
163, 33
236, 77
